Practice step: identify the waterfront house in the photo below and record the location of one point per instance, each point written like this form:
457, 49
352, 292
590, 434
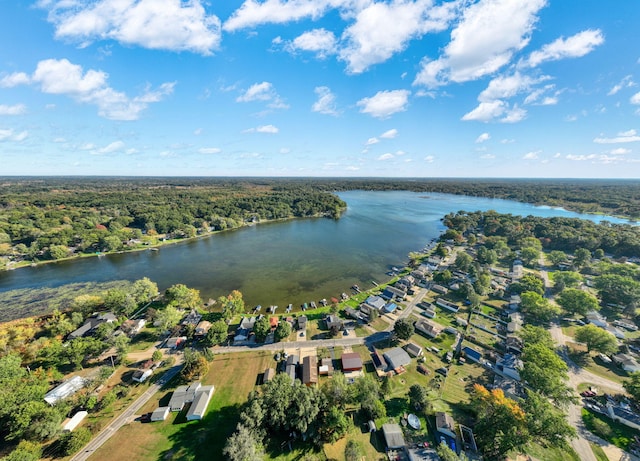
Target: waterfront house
92, 323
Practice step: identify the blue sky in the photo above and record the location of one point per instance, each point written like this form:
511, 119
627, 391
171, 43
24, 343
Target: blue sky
423, 88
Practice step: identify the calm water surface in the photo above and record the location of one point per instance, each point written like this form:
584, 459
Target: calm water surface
289, 262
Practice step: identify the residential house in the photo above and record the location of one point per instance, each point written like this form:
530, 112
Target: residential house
310, 370
273, 322
445, 424
393, 293
514, 345
92, 323
413, 350
202, 328
302, 322
351, 361
597, 319
509, 366
247, 323
472, 354
378, 361
352, 313
178, 398
192, 318
448, 305
514, 302
175, 342
201, 400
75, 421
133, 327
64, 390
439, 289
517, 270
141, 376
333, 321
269, 374
428, 328
291, 371
375, 302
160, 414
627, 362
390, 308
326, 366
397, 358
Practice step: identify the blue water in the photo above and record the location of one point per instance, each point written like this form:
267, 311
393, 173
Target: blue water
289, 262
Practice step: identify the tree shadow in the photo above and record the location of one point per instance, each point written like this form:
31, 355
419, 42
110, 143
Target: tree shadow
397, 406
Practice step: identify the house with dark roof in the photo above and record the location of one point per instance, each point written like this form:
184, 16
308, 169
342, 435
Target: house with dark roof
472, 354
413, 350
448, 305
310, 370
192, 318
302, 322
333, 321
393, 293
509, 366
378, 360
351, 361
92, 323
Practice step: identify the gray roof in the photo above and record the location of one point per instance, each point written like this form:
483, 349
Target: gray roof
393, 436
397, 357
200, 402
64, 390
178, 398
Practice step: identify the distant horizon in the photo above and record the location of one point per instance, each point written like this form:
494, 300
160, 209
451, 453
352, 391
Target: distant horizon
326, 88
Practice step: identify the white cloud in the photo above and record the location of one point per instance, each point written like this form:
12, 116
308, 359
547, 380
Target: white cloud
10, 135
319, 41
429, 158
197, 131
485, 40
326, 103
87, 146
635, 99
383, 29
622, 137
372, 141
483, 137
387, 156
90, 87
485, 111
531, 155
385, 103
626, 82
389, 134
575, 46
549, 101
110, 148
620, 151
172, 25
580, 158
508, 86
263, 92
253, 13
269, 129
16, 109
209, 150
514, 115
59, 140
487, 156
15, 79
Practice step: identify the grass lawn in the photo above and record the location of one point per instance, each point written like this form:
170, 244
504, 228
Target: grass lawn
612, 431
596, 366
379, 324
234, 376
598, 452
550, 454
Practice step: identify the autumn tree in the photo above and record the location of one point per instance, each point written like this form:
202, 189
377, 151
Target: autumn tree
195, 365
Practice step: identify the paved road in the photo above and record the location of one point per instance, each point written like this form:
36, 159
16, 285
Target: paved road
126, 416
577, 376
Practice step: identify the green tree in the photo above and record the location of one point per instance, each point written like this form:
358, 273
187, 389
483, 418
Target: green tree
403, 329
352, 451
538, 308
529, 256
582, 256
71, 442
195, 365
157, 355
463, 261
532, 334
528, 282
183, 297
243, 446
556, 257
418, 397
232, 304
167, 318
447, 454
443, 277
486, 256
566, 279
597, 339
632, 385
544, 371
283, 330
25, 451
217, 334
618, 289
112, 243
261, 329
575, 301
337, 391
144, 291
335, 424
545, 423
58, 251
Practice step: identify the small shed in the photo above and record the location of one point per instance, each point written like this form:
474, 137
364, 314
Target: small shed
393, 436
413, 350
140, 376
160, 414
74, 421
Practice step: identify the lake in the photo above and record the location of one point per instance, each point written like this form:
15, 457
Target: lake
293, 261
